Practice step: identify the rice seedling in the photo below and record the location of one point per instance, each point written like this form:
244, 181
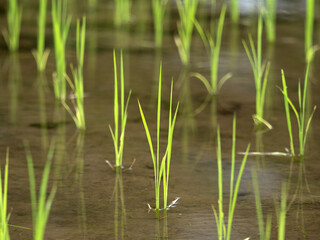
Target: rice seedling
61, 24
302, 120
264, 229
41, 54
119, 126
223, 229
158, 8
213, 48
122, 12
4, 218
260, 72
12, 35
309, 23
234, 11
77, 73
187, 11
161, 167
40, 206
269, 15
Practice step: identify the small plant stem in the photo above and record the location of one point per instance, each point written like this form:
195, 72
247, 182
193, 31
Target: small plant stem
234, 11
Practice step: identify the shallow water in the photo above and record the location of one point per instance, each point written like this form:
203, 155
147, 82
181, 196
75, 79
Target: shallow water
93, 202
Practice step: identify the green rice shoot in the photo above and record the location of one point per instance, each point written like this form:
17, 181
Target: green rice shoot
223, 229
187, 11
161, 166
122, 11
77, 73
302, 120
158, 8
120, 120
41, 205
4, 218
213, 48
269, 15
41, 54
12, 35
309, 24
260, 72
61, 24
234, 11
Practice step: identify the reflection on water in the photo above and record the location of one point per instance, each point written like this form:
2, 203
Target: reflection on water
14, 85
159, 235
42, 92
119, 218
82, 219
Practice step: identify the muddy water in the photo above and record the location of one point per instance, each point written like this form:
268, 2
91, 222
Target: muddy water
93, 202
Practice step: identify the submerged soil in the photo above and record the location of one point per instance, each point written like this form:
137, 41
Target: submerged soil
92, 201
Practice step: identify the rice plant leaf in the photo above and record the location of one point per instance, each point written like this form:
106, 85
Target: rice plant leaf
223, 80
308, 126
204, 80
148, 137
264, 85
32, 183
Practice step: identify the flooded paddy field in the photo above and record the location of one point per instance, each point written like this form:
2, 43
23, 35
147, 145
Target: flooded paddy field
92, 201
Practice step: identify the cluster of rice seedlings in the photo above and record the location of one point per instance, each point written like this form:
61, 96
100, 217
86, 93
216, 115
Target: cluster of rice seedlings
309, 23
12, 35
187, 12
40, 206
120, 120
161, 167
158, 8
122, 12
61, 24
260, 72
234, 11
213, 47
77, 73
302, 120
223, 229
41, 55
4, 218
269, 14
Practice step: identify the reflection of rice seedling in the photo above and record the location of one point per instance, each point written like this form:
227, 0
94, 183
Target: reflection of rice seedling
224, 231
234, 10
40, 206
282, 213
264, 230
118, 141
4, 231
187, 12
12, 35
260, 72
77, 73
61, 24
213, 47
269, 14
41, 55
158, 7
309, 26
122, 12
303, 122
161, 167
